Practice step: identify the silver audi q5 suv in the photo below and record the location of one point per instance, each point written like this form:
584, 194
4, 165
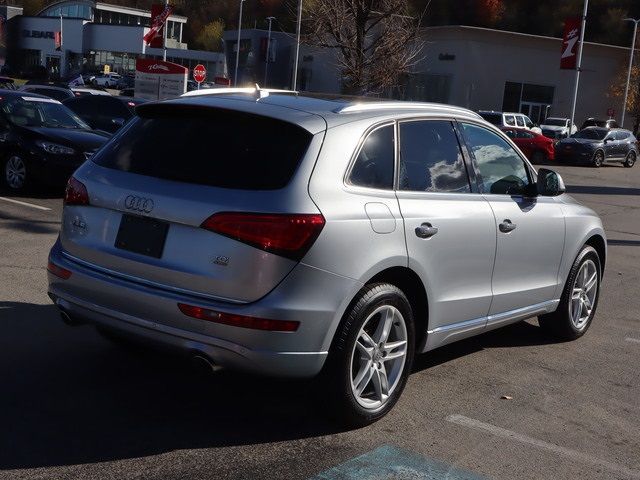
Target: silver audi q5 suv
299, 236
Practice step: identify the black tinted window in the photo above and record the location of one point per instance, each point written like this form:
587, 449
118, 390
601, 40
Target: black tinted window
210, 147
430, 158
500, 168
620, 135
59, 95
495, 118
374, 166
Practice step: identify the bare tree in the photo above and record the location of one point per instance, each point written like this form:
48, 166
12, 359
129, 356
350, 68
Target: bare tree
377, 41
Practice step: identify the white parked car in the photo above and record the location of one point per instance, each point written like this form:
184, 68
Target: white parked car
107, 80
558, 128
509, 119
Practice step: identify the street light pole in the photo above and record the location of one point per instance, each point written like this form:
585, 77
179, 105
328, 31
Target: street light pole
235, 75
266, 64
633, 47
295, 63
579, 66
164, 35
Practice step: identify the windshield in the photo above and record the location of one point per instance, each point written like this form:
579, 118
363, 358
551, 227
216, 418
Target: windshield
590, 134
556, 122
40, 112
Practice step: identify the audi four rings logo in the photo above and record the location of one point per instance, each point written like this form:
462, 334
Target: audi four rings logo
139, 204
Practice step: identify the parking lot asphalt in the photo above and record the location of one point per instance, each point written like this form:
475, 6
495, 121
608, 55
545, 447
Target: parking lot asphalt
73, 405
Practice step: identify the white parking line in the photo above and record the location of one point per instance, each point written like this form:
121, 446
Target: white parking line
632, 340
542, 445
25, 204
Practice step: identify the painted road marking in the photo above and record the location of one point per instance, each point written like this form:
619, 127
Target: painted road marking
389, 462
541, 444
25, 204
632, 340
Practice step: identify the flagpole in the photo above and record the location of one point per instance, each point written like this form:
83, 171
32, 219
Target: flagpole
164, 42
579, 66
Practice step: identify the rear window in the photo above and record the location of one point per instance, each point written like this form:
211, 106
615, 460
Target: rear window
205, 146
495, 118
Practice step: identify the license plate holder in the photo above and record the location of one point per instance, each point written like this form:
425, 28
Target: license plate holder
142, 235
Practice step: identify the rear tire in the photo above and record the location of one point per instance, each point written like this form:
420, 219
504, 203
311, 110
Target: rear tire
371, 356
630, 160
598, 159
579, 299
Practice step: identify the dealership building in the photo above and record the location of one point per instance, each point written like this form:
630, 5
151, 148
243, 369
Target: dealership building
96, 34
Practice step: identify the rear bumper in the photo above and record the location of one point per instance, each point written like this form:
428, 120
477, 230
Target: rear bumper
315, 298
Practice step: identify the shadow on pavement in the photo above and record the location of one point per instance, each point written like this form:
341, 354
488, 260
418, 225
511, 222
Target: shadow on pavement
28, 225
602, 190
71, 397
629, 243
39, 192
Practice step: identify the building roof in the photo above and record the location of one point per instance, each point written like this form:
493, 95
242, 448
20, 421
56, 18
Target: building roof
108, 7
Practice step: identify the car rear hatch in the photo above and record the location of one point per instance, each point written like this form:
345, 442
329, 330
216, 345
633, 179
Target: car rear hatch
203, 201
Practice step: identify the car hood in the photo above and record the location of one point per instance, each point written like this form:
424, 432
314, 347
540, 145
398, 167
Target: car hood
85, 140
579, 141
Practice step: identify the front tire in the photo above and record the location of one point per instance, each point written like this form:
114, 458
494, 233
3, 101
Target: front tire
598, 159
15, 173
579, 299
630, 160
371, 355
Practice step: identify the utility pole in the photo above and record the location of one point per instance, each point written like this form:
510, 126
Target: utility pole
633, 47
235, 75
579, 66
295, 63
164, 42
266, 64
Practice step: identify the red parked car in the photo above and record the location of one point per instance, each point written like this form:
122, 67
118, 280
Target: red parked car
536, 147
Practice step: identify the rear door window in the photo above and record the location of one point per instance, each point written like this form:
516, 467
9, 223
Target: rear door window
510, 120
520, 121
206, 146
374, 165
431, 159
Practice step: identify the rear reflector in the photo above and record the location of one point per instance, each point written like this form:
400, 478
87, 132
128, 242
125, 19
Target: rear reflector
238, 320
287, 235
58, 271
76, 193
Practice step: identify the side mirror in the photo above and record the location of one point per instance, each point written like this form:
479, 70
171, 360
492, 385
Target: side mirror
119, 122
607, 140
549, 183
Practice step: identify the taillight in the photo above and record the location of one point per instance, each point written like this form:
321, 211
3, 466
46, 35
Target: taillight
239, 320
287, 235
58, 271
76, 193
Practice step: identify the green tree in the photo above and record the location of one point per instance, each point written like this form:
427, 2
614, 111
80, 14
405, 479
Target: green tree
210, 36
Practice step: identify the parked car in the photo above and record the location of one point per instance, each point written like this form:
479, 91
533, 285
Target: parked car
128, 92
107, 80
51, 91
126, 81
595, 122
43, 141
536, 147
367, 254
509, 119
104, 112
557, 128
598, 145
82, 91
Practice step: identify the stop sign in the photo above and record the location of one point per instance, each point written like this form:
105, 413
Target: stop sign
199, 73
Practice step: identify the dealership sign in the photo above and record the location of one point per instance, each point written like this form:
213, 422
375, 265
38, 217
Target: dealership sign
569, 57
158, 80
38, 34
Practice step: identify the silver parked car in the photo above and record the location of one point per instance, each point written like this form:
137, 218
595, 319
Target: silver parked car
297, 236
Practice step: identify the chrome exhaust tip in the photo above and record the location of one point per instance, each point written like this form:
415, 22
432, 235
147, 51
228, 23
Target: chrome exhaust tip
203, 364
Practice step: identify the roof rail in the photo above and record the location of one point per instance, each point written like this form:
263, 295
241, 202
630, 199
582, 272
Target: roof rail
259, 92
372, 106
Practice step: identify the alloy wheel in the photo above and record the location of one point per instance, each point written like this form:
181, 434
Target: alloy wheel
583, 294
15, 172
378, 357
631, 159
598, 159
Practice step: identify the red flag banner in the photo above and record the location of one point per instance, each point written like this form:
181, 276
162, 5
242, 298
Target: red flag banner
159, 15
569, 56
57, 38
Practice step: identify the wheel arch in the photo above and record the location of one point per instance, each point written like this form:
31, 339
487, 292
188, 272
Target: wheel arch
600, 245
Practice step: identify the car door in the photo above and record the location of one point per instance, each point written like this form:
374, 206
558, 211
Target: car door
449, 228
610, 145
529, 231
623, 143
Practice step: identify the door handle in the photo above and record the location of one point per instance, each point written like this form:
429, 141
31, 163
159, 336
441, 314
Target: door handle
426, 230
506, 226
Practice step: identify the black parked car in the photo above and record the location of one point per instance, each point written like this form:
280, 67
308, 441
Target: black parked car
595, 122
104, 112
42, 140
597, 145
